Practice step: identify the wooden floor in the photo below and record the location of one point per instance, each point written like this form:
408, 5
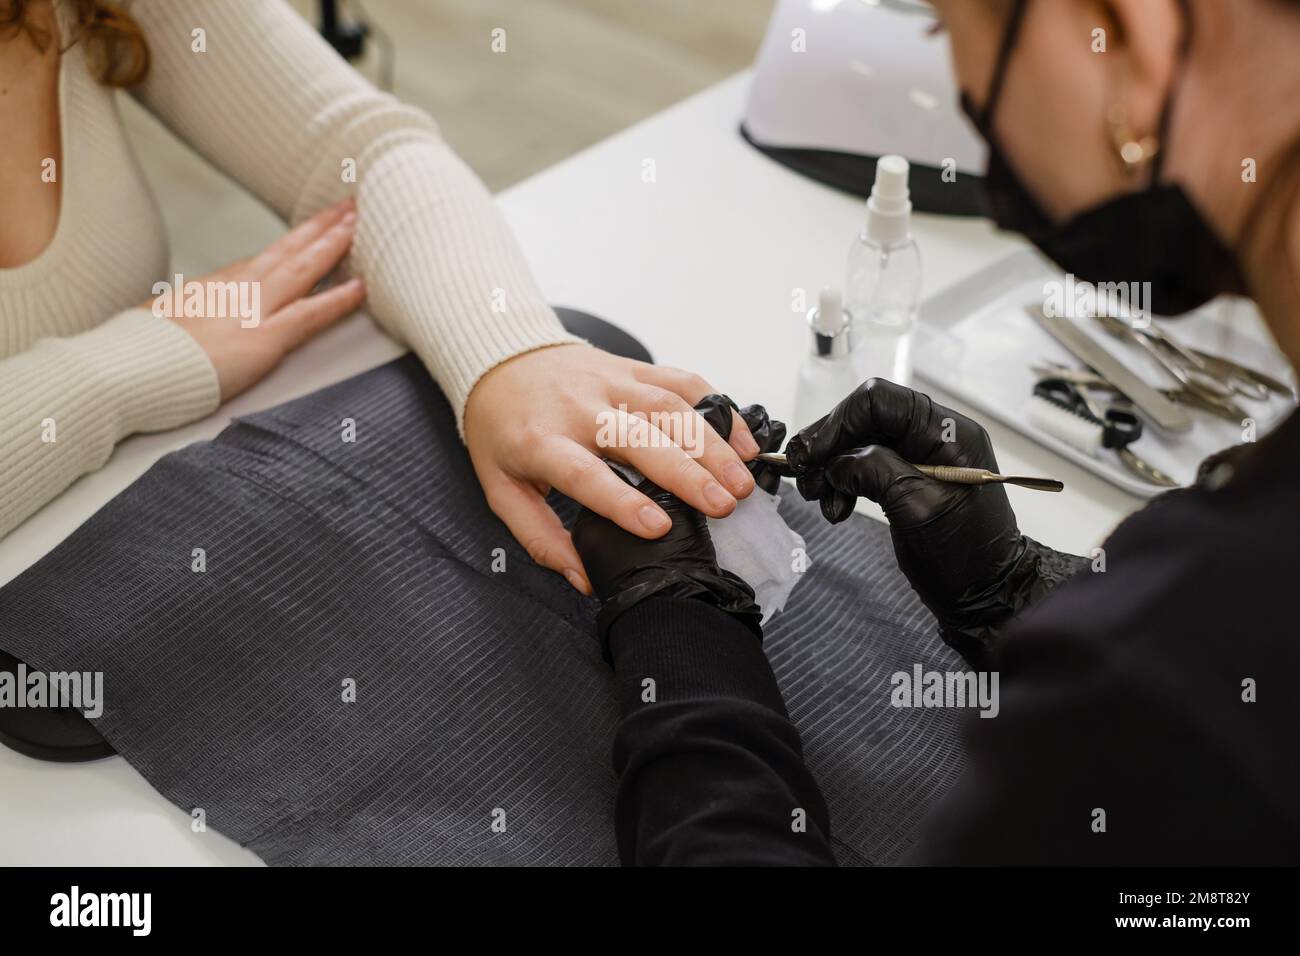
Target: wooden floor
573, 72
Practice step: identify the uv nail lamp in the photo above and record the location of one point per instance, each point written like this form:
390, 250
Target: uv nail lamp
839, 83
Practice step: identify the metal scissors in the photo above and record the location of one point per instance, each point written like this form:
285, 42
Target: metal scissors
1120, 427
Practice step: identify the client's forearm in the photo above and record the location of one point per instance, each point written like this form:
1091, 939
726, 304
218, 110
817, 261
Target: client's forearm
711, 770
443, 272
68, 402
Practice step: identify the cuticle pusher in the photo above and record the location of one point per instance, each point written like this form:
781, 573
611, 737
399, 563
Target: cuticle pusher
953, 474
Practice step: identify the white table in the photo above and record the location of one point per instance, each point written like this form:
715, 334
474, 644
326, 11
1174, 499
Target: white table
700, 263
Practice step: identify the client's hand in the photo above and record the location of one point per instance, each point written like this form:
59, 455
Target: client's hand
959, 545
544, 420
244, 349
625, 568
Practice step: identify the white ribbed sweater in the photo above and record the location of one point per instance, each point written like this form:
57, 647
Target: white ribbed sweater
271, 105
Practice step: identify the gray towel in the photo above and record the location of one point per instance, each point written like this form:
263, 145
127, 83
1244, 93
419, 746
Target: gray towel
480, 694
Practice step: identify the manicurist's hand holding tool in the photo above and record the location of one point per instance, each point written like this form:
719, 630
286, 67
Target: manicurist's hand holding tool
957, 541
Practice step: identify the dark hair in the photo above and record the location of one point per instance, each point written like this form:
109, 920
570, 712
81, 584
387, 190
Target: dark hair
115, 46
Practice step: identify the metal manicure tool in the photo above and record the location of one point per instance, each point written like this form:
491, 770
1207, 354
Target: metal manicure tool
949, 473
1156, 406
1232, 376
1201, 388
1191, 398
1119, 426
1208, 381
1239, 373
1223, 372
1189, 376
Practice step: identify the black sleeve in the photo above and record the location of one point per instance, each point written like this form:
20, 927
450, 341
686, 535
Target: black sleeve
1126, 733
1086, 765
711, 771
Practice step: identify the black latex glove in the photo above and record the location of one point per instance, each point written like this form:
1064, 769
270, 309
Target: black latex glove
959, 545
768, 433
626, 569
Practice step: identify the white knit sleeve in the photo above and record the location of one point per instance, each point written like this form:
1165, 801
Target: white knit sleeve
253, 88
68, 401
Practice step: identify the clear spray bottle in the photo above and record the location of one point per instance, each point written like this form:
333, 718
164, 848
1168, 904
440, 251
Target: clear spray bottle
883, 286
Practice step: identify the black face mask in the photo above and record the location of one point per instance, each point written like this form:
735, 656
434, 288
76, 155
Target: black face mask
1153, 235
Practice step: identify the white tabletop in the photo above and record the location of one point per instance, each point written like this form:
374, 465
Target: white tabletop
700, 263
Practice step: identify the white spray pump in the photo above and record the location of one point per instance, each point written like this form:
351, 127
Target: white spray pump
883, 285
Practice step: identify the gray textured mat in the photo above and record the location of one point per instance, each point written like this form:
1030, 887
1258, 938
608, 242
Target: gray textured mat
475, 690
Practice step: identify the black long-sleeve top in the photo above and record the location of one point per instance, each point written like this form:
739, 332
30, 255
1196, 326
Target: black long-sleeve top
1161, 692
711, 771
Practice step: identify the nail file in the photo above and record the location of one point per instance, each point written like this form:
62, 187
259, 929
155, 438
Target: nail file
1154, 405
950, 473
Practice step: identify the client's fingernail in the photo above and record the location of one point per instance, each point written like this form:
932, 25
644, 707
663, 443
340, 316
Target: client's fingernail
349, 218
574, 578
738, 477
717, 496
748, 446
654, 520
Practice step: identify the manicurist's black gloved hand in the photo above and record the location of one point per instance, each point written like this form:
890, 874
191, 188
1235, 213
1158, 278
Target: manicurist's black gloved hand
767, 432
626, 569
959, 545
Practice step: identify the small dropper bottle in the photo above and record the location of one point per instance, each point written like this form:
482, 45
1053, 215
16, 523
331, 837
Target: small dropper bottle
828, 373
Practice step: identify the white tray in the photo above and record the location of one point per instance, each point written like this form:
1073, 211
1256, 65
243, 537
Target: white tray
975, 341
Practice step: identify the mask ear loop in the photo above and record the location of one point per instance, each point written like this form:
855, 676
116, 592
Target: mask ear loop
1009, 36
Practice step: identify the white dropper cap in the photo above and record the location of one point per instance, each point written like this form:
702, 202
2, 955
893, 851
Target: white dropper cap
889, 210
829, 317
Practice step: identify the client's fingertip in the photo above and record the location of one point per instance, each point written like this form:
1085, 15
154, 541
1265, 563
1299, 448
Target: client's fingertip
579, 582
653, 519
721, 502
743, 442
738, 479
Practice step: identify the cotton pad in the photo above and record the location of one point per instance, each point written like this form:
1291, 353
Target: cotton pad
755, 544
